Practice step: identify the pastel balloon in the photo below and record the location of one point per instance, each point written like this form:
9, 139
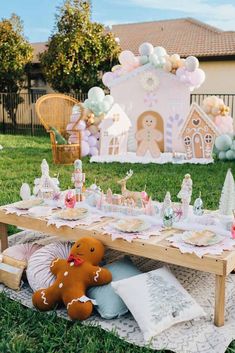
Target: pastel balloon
86, 103
146, 49
233, 146
81, 125
223, 142
109, 99
154, 60
197, 77
224, 123
92, 141
191, 63
222, 155
160, 51
107, 78
96, 94
93, 129
143, 59
94, 151
230, 155
105, 106
87, 132
85, 148
126, 57
83, 135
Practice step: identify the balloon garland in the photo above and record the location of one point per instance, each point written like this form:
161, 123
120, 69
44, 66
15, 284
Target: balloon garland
186, 70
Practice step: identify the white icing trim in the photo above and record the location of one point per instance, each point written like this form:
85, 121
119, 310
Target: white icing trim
97, 274
54, 262
82, 299
43, 296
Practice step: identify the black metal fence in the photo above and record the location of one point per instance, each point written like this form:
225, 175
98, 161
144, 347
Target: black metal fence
18, 116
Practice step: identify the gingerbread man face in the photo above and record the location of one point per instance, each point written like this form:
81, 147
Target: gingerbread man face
88, 249
149, 122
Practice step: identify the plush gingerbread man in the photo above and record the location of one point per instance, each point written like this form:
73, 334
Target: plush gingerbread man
73, 276
148, 137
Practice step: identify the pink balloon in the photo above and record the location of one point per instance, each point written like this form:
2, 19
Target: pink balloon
126, 57
87, 132
81, 125
180, 71
94, 151
92, 141
74, 138
84, 137
85, 148
107, 78
224, 124
197, 77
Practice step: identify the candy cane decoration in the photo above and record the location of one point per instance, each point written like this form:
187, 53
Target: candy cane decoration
172, 121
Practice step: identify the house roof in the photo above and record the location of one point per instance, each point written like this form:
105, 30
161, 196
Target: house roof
203, 115
114, 126
185, 36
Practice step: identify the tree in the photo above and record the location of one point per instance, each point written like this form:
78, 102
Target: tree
79, 50
15, 54
227, 199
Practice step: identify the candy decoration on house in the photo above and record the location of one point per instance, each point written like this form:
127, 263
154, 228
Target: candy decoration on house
45, 186
78, 178
198, 133
185, 194
198, 206
227, 199
225, 147
218, 111
114, 132
25, 192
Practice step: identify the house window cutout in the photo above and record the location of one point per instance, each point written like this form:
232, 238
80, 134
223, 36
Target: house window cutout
114, 146
187, 141
208, 138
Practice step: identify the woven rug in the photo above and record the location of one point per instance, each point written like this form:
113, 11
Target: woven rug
199, 336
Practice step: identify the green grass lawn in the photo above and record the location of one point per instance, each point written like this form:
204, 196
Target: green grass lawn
23, 330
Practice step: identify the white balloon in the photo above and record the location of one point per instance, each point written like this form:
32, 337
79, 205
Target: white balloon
160, 51
146, 49
191, 63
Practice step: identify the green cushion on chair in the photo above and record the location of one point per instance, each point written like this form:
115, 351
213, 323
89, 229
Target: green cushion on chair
58, 137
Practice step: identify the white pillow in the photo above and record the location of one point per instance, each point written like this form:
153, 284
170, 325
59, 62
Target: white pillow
157, 301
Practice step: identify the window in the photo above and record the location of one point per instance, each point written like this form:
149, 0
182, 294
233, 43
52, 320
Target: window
208, 138
114, 146
187, 141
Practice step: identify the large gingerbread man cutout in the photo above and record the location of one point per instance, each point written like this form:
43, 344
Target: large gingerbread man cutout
148, 137
73, 276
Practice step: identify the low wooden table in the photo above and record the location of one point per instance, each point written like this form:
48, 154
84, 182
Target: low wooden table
157, 248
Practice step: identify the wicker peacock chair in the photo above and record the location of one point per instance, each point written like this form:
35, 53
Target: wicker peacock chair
54, 111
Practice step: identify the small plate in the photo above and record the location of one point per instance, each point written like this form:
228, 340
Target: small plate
40, 211
27, 204
202, 238
72, 214
131, 225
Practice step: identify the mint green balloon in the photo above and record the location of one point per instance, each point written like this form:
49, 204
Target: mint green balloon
223, 142
222, 156
230, 155
233, 146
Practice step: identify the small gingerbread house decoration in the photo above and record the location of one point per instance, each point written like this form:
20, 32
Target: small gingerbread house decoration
45, 186
114, 132
198, 134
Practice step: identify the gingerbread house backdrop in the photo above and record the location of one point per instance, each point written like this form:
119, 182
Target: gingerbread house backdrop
152, 92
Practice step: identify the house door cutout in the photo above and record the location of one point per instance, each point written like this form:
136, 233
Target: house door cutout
198, 146
158, 124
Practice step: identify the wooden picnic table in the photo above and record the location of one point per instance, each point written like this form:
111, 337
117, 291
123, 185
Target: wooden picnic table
157, 247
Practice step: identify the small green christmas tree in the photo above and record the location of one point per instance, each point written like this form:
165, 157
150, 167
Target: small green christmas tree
227, 199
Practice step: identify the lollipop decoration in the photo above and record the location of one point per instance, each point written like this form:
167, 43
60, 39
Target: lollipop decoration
78, 178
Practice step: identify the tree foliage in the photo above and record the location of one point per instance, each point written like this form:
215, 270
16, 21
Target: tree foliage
15, 54
79, 50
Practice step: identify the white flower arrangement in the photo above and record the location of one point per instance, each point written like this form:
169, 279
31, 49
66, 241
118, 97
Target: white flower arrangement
149, 81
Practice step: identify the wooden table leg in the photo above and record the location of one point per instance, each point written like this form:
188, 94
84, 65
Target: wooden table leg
3, 236
219, 300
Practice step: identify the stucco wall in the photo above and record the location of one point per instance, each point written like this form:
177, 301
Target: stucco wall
220, 77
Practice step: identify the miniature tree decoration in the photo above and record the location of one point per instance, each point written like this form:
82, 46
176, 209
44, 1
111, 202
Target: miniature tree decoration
227, 199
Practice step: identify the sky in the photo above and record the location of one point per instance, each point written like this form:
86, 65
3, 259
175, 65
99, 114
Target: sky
39, 16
